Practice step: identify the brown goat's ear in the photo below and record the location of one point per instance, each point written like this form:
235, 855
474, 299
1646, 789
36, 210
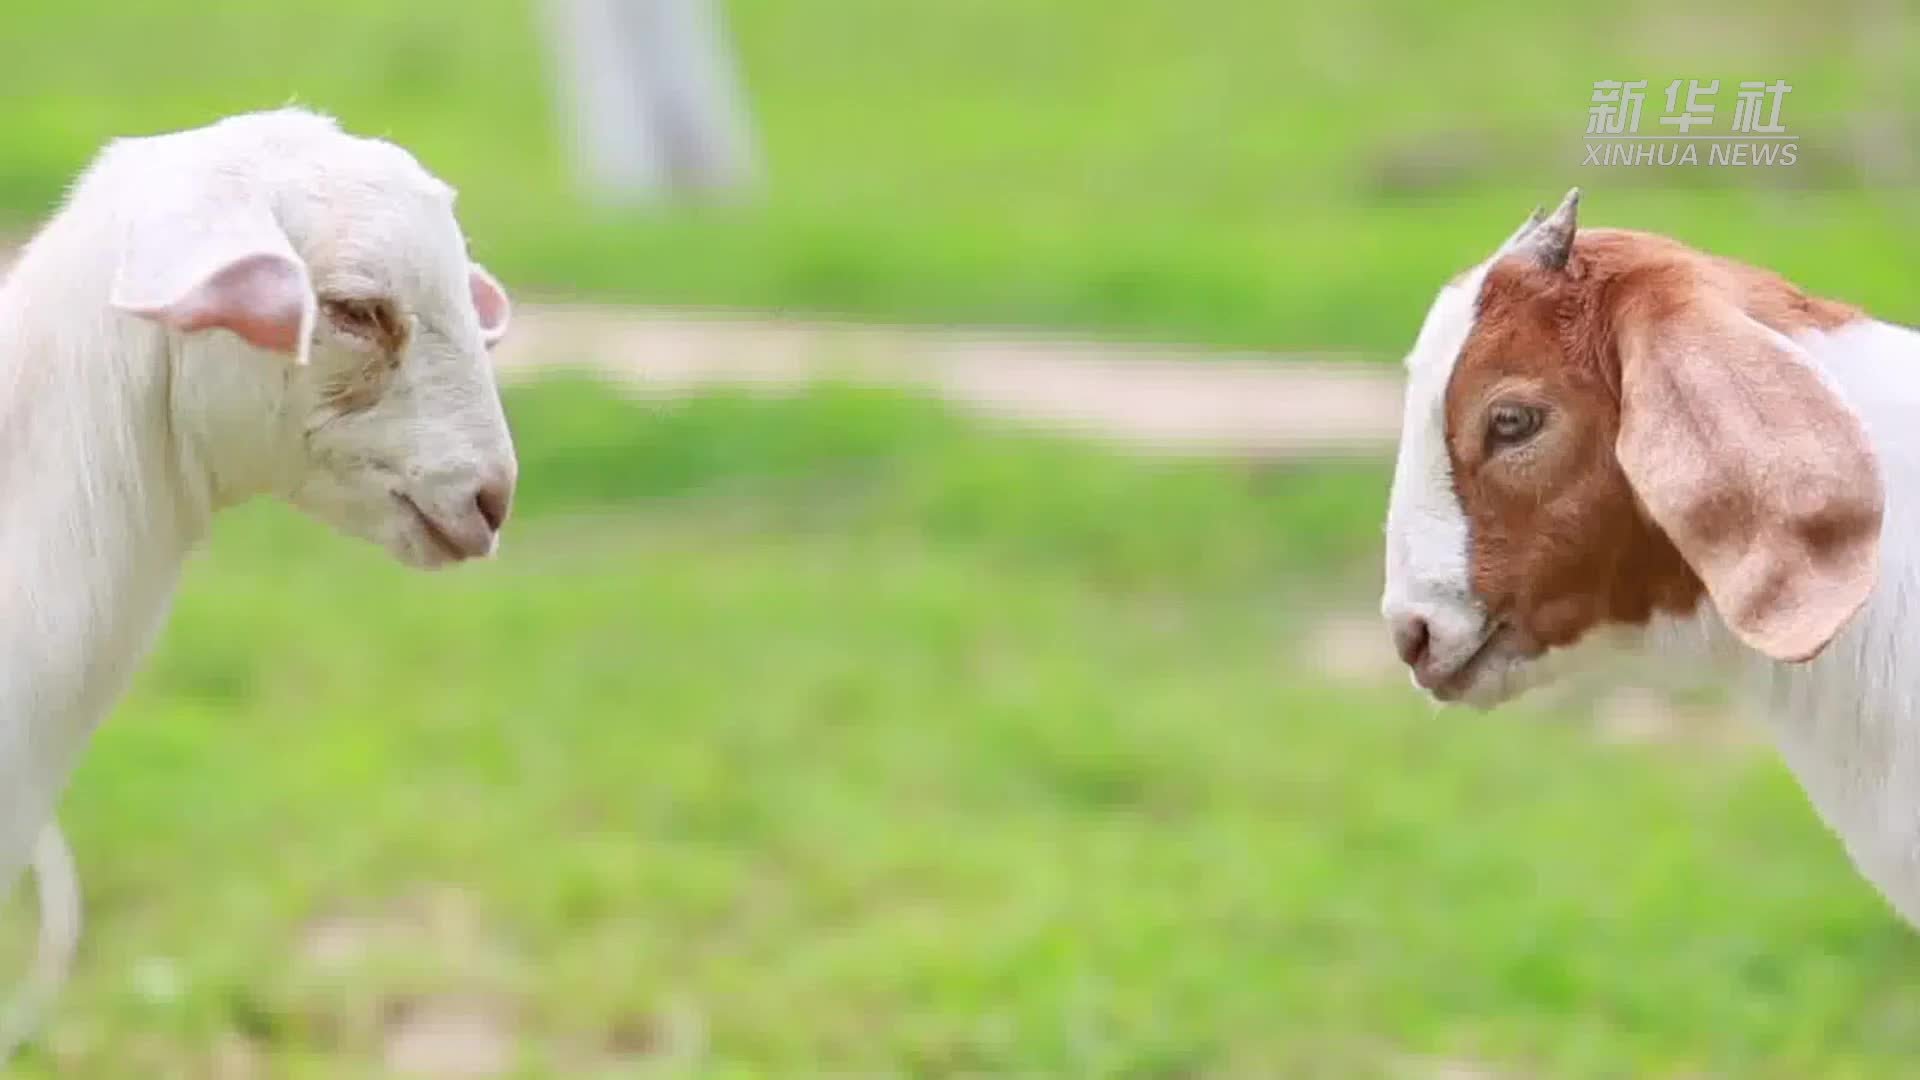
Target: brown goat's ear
1754, 467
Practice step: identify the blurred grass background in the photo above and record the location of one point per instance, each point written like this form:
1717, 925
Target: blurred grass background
1244, 172
836, 734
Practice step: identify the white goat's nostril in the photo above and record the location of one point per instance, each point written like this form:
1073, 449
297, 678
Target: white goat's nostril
1411, 636
494, 502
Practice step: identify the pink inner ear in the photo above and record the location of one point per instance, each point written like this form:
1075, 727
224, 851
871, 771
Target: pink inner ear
262, 298
490, 301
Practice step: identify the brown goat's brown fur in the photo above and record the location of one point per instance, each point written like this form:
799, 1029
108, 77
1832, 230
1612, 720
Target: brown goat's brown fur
1559, 541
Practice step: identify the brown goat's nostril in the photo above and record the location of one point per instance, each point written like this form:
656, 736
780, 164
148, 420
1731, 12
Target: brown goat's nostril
1410, 637
494, 500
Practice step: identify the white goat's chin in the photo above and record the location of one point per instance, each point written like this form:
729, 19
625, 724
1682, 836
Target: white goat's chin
386, 524
421, 542
397, 523
413, 548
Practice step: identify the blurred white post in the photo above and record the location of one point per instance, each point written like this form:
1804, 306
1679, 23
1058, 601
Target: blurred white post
653, 98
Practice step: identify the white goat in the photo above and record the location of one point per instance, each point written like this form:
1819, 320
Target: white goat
264, 306
1608, 429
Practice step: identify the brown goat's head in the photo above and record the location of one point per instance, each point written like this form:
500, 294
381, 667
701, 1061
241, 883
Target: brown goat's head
1606, 427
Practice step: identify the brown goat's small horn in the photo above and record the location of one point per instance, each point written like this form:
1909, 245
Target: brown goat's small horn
1533, 221
1552, 240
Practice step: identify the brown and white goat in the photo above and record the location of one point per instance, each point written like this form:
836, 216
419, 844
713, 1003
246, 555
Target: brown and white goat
1607, 429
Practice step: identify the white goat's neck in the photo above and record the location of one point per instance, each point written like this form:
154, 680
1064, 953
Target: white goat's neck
101, 448
1848, 722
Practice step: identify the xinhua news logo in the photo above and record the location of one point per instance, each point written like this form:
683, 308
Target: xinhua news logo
1753, 137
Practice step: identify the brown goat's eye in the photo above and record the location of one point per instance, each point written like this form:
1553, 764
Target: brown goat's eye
1508, 424
374, 320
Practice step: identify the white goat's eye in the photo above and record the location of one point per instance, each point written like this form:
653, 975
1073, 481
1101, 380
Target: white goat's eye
373, 320
1508, 424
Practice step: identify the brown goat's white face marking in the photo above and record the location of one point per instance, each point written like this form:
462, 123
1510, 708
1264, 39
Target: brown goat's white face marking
1439, 625
1603, 435
1441, 628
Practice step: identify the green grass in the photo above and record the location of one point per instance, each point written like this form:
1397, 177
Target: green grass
1234, 171
870, 742
854, 738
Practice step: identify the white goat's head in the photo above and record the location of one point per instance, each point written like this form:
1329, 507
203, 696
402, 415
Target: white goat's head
277, 233
1605, 429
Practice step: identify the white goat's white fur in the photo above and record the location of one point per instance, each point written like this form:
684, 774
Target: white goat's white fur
119, 437
1848, 722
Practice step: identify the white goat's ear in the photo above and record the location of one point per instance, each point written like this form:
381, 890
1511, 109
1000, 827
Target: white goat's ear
230, 268
1754, 467
490, 303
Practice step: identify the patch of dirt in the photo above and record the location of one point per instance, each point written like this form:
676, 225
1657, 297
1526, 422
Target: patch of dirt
442, 920
1646, 715
338, 943
1168, 399
1419, 1068
236, 1057
1354, 649
1164, 399
450, 1038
